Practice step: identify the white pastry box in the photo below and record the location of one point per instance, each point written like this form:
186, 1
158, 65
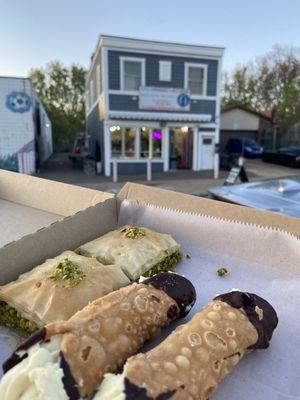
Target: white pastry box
260, 250
40, 218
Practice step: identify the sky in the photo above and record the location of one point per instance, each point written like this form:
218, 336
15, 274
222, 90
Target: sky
34, 32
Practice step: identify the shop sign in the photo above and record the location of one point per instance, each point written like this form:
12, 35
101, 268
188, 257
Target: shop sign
164, 99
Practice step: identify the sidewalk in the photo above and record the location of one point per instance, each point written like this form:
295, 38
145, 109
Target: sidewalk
59, 168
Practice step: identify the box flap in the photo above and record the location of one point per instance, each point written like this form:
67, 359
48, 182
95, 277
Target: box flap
50, 196
31, 250
214, 208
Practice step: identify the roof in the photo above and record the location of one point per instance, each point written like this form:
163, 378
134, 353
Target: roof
248, 110
158, 41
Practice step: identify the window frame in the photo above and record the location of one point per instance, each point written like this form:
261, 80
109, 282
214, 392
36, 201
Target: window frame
98, 80
162, 63
92, 94
186, 78
142, 61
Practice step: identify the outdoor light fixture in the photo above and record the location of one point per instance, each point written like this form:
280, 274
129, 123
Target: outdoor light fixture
184, 129
144, 129
112, 128
47, 125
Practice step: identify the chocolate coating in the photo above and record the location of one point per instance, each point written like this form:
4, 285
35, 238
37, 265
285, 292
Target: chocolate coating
15, 358
69, 382
177, 287
133, 392
248, 301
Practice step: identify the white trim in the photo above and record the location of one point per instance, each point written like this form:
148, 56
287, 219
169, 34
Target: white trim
98, 78
160, 116
93, 106
187, 65
195, 149
162, 64
105, 73
218, 102
158, 46
141, 60
91, 91
106, 138
166, 147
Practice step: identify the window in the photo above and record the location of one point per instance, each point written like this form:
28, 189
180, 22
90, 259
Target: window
151, 143
122, 142
195, 78
132, 74
165, 71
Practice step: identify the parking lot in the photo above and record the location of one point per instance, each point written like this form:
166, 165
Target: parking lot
59, 168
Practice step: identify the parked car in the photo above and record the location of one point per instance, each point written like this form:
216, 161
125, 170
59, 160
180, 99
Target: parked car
281, 195
244, 146
288, 156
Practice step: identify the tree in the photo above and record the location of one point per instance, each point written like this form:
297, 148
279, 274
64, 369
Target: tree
270, 83
61, 90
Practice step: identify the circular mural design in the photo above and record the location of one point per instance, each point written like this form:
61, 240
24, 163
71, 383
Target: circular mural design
18, 102
183, 100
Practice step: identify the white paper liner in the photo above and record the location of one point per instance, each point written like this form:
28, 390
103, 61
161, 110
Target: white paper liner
259, 260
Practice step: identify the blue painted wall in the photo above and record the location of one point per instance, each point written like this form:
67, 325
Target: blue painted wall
137, 168
95, 128
152, 70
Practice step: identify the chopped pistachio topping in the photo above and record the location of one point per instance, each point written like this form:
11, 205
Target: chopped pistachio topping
167, 264
13, 319
133, 232
222, 271
69, 272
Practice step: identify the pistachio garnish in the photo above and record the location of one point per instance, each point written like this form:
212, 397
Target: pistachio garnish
222, 271
69, 272
133, 232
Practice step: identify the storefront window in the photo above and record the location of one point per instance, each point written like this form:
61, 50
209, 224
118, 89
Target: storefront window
145, 142
116, 142
156, 143
129, 138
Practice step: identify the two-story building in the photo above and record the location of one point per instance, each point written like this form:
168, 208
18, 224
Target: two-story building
153, 100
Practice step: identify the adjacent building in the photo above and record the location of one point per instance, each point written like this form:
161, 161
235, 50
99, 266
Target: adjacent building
25, 129
241, 122
153, 100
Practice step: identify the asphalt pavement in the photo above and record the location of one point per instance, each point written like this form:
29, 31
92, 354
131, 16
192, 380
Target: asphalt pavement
59, 168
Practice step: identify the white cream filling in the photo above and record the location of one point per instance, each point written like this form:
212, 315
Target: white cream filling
111, 388
37, 377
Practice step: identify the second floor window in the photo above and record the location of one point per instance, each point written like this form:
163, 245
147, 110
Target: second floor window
195, 77
132, 74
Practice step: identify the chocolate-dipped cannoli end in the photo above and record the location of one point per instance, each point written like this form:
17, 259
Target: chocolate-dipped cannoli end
260, 313
21, 351
133, 392
177, 287
70, 385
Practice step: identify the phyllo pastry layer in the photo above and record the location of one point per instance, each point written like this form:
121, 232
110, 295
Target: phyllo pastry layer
137, 251
55, 290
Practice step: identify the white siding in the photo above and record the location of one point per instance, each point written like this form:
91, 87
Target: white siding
239, 120
16, 129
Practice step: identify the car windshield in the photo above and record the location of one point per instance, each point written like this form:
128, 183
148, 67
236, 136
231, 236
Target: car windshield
250, 142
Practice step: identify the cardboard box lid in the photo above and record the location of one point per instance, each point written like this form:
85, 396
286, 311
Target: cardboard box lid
42, 218
213, 208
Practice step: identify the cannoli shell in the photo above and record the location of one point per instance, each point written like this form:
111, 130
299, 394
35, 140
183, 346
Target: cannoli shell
99, 338
194, 358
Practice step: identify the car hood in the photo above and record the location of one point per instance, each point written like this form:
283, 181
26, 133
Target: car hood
277, 195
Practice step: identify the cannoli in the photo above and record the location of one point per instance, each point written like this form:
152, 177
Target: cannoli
67, 359
137, 251
191, 362
56, 290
